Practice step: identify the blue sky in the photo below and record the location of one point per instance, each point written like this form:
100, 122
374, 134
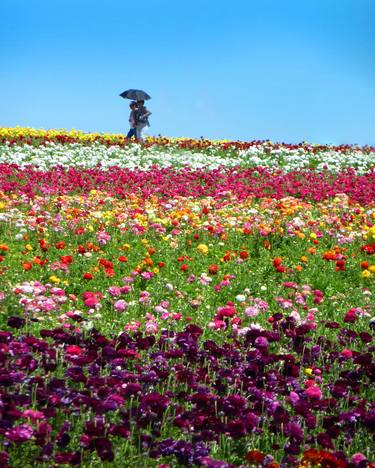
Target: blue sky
285, 70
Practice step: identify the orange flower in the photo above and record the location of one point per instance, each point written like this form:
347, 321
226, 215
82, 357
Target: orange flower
27, 266
277, 261
322, 458
60, 245
148, 261
4, 248
151, 250
267, 244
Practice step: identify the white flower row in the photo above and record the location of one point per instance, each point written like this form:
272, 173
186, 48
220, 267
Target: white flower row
132, 157
296, 159
137, 157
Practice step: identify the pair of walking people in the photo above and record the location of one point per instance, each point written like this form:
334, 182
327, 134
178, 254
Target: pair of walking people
138, 119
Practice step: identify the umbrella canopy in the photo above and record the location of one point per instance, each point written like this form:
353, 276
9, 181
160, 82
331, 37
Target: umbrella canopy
135, 95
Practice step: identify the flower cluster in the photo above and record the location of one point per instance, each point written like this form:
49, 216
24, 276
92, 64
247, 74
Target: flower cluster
185, 302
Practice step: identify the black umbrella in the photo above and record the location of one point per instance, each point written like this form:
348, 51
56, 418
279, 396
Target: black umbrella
135, 95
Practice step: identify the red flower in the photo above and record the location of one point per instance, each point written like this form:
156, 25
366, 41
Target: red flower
340, 265
109, 272
254, 456
213, 269
60, 245
244, 254
122, 258
350, 316
184, 267
277, 261
67, 259
88, 276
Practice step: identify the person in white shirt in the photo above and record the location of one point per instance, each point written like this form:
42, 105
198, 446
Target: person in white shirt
142, 115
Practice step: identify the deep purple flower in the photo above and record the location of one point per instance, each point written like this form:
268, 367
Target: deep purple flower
236, 429
104, 449
233, 404
95, 427
294, 432
324, 440
154, 402
16, 321
4, 459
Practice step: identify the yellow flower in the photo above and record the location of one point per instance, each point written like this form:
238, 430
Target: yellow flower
203, 249
54, 279
156, 270
366, 274
308, 371
29, 247
313, 235
126, 247
372, 268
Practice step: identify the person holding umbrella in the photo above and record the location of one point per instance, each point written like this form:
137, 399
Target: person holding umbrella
132, 121
141, 113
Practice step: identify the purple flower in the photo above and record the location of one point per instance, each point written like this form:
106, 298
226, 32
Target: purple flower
20, 433
261, 342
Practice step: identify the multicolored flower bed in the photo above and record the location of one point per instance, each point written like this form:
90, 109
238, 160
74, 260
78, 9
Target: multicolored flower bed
185, 303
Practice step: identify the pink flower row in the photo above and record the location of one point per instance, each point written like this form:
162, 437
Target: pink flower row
240, 183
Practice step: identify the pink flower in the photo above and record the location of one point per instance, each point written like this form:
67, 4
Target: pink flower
34, 415
114, 291
252, 311
294, 397
314, 392
132, 326
74, 350
151, 328
120, 305
346, 353
357, 458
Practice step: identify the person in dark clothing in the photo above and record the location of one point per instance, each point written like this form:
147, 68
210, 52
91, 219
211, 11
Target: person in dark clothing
132, 120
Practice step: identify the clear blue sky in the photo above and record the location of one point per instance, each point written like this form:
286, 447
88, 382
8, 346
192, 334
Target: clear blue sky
285, 70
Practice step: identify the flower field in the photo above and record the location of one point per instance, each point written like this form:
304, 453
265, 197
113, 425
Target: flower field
185, 302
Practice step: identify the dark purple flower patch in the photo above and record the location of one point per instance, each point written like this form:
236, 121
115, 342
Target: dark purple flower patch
199, 392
